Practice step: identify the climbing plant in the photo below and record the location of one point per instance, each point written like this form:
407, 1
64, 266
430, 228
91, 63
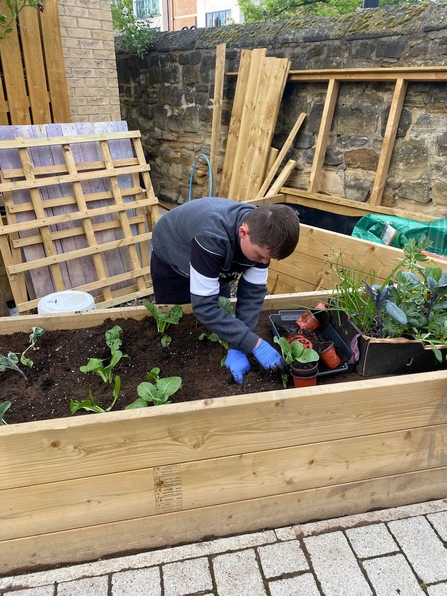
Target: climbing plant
12, 10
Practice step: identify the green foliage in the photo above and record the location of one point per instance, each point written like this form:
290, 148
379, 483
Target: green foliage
410, 303
156, 390
294, 351
10, 361
226, 305
3, 408
96, 365
274, 10
137, 35
35, 333
90, 405
13, 8
164, 319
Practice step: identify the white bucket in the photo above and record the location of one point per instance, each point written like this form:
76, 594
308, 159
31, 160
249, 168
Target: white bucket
67, 301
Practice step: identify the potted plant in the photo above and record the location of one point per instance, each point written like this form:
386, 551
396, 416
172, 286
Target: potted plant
302, 361
399, 324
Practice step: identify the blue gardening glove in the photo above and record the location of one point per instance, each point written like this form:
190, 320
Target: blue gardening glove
268, 357
238, 364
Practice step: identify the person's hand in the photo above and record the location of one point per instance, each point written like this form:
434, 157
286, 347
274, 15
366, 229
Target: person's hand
268, 357
238, 364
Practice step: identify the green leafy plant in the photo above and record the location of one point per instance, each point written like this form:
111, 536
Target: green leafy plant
96, 365
13, 8
137, 35
35, 333
90, 405
3, 409
410, 303
294, 351
164, 319
10, 361
155, 390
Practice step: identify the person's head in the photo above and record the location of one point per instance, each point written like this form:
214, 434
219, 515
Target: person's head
269, 231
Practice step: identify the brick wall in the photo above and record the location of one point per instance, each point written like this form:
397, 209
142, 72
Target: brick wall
90, 65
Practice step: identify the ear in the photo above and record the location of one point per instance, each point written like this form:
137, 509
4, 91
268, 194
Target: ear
243, 231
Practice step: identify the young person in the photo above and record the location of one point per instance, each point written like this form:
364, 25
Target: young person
201, 246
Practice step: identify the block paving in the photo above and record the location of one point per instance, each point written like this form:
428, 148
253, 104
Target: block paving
400, 551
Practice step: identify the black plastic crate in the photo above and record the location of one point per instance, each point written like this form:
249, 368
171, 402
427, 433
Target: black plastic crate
287, 318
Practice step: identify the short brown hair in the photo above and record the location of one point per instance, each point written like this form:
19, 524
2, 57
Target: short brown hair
275, 227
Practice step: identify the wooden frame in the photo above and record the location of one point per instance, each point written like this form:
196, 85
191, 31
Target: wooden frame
80, 488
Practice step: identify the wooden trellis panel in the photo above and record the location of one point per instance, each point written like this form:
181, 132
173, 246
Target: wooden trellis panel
79, 212
33, 88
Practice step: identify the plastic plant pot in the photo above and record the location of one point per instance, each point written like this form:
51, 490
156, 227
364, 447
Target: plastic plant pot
297, 336
299, 381
307, 369
322, 314
307, 321
329, 356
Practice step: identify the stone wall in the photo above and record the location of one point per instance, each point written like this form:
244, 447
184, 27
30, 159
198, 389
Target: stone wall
168, 95
89, 55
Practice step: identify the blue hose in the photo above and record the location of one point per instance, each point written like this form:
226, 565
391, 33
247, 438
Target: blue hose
192, 175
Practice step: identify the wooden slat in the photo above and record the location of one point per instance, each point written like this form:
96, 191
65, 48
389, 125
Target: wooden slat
34, 66
388, 141
323, 134
169, 529
409, 73
216, 481
219, 75
281, 155
54, 62
281, 180
235, 121
10, 55
73, 139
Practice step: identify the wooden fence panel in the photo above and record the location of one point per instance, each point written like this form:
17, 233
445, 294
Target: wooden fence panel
32, 69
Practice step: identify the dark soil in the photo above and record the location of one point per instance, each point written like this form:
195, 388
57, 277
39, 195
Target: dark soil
55, 377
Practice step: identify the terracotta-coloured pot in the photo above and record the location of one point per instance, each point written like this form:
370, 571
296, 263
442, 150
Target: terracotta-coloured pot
307, 321
297, 336
329, 356
299, 381
307, 369
321, 314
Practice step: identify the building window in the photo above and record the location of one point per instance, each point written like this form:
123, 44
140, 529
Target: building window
217, 19
143, 8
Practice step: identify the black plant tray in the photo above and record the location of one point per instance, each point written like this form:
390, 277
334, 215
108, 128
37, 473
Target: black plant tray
285, 320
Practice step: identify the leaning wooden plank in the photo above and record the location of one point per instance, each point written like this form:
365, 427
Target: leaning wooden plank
235, 121
219, 75
323, 134
281, 155
216, 481
91, 138
41, 452
249, 106
4, 108
281, 180
261, 133
170, 529
34, 66
388, 141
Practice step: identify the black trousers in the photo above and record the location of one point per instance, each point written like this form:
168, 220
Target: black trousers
172, 288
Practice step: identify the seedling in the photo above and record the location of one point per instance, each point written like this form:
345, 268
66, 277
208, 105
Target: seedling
158, 391
294, 352
10, 361
96, 365
35, 333
215, 338
90, 405
164, 319
3, 408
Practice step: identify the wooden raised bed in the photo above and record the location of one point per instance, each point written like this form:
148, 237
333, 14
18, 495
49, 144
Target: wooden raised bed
76, 489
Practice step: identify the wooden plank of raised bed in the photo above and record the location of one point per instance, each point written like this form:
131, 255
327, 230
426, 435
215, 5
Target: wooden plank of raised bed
41, 452
219, 480
219, 75
235, 121
140, 533
388, 141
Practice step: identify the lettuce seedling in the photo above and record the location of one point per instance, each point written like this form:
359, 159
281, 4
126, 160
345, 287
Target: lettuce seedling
96, 365
35, 333
164, 319
10, 361
3, 408
158, 391
90, 405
